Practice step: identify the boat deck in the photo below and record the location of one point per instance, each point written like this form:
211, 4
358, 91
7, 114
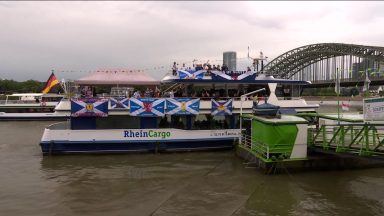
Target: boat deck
33, 116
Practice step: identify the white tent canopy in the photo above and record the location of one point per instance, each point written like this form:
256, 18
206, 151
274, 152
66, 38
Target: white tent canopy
117, 77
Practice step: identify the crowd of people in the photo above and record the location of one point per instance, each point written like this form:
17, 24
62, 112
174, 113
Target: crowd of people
183, 90
205, 93
148, 93
208, 67
203, 122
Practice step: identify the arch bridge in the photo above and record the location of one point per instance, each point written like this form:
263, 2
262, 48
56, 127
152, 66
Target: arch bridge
317, 62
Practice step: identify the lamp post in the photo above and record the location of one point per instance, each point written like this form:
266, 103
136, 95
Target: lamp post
242, 99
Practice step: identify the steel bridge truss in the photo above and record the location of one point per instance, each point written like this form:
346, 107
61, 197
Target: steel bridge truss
293, 61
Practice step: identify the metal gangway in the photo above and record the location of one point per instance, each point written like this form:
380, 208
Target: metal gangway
364, 139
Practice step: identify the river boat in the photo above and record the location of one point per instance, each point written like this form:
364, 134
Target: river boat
33, 106
169, 123
30, 102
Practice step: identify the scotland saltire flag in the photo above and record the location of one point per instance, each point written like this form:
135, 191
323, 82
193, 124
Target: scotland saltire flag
89, 107
183, 106
221, 107
250, 75
149, 107
219, 75
119, 103
191, 74
247, 76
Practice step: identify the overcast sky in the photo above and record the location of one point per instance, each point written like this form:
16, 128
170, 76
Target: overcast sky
37, 37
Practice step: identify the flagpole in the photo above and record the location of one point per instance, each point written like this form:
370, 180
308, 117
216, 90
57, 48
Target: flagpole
338, 94
338, 109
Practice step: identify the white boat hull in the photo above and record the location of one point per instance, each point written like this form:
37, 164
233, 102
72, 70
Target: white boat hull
135, 140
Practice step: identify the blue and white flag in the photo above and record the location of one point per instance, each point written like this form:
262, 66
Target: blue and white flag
89, 107
183, 106
221, 107
148, 107
249, 75
222, 76
119, 103
191, 74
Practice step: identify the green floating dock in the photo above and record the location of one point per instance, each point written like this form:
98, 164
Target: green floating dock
288, 143
272, 139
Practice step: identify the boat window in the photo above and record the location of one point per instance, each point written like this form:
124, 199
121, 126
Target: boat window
235, 119
51, 99
202, 122
220, 122
165, 122
208, 122
173, 121
246, 125
118, 122
178, 122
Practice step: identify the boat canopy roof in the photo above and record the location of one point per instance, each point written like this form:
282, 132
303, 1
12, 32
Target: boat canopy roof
118, 76
26, 94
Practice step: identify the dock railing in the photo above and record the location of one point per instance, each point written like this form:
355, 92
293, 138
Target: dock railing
252, 145
363, 139
269, 152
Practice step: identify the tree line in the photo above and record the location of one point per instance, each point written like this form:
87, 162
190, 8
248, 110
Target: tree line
29, 86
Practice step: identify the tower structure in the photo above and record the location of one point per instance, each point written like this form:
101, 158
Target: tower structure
229, 59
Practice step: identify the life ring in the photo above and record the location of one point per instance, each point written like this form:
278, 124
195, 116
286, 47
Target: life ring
43, 103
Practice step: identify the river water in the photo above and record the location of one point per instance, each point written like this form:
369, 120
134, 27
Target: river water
210, 183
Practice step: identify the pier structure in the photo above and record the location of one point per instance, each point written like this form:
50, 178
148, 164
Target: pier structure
276, 145
364, 139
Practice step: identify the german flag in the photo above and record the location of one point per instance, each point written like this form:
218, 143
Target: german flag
51, 82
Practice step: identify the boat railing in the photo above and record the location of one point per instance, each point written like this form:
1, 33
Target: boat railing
18, 102
222, 98
209, 73
207, 98
289, 98
32, 102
